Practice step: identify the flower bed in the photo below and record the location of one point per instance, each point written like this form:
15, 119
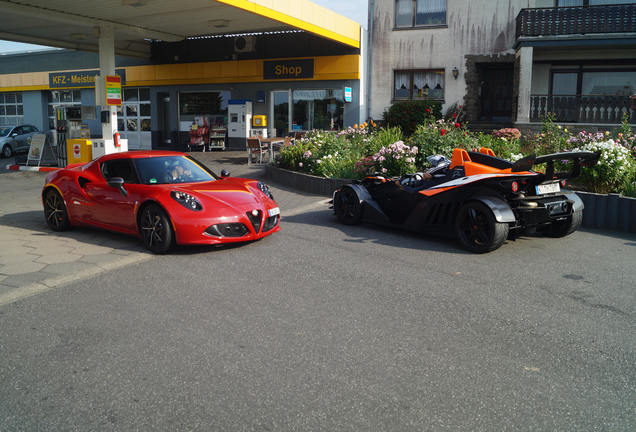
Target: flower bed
366, 149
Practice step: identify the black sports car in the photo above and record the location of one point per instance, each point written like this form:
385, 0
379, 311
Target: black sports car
481, 199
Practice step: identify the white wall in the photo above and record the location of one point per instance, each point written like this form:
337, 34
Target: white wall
480, 27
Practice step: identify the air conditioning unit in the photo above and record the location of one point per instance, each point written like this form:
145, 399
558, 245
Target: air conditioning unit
244, 44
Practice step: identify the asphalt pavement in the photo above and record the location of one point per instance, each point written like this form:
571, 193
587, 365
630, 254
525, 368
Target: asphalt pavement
34, 259
320, 327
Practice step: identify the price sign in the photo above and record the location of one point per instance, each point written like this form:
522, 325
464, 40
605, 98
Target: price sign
113, 90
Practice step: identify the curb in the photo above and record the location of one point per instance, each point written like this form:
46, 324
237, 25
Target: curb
31, 168
610, 212
61, 280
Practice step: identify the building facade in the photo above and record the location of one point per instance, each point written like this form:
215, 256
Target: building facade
299, 80
506, 61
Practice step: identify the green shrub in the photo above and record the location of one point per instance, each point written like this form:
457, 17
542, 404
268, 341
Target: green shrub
408, 115
440, 138
504, 143
614, 168
382, 138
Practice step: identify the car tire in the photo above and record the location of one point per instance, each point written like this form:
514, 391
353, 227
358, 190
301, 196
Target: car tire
347, 206
477, 229
156, 230
7, 151
567, 226
55, 211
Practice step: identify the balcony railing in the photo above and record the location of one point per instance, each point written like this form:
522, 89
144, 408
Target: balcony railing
576, 20
582, 109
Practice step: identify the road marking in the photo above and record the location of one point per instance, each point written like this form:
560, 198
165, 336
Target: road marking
306, 208
57, 281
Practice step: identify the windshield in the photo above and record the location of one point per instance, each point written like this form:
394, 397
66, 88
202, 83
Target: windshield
172, 169
4, 131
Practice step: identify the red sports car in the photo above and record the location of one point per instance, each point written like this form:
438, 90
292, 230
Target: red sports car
165, 198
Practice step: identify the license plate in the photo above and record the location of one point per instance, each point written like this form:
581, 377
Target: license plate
548, 188
274, 211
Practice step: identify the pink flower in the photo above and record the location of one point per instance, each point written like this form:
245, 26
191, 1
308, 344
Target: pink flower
300, 164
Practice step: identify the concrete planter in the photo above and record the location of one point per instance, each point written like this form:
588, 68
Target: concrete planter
612, 212
304, 182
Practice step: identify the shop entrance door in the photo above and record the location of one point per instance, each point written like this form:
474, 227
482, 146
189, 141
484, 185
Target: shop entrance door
163, 112
279, 112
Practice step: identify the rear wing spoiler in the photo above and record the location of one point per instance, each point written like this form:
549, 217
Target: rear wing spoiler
572, 160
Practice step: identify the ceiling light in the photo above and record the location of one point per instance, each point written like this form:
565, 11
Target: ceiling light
79, 36
219, 23
134, 3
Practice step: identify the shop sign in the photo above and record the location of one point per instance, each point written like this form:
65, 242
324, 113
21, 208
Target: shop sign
113, 90
347, 94
288, 69
79, 78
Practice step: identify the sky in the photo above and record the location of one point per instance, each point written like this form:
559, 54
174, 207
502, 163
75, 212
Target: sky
354, 9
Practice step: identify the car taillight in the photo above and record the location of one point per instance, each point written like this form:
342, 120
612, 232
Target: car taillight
563, 183
514, 186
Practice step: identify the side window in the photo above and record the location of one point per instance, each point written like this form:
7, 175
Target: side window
119, 168
18, 130
31, 129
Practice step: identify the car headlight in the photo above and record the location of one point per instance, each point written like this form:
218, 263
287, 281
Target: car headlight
186, 200
265, 189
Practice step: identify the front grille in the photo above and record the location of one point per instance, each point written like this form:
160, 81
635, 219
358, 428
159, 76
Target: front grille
270, 223
256, 220
227, 230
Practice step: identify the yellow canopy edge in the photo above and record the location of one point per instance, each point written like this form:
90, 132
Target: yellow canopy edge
304, 15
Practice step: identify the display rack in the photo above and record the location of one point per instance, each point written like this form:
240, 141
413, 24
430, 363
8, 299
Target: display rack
217, 138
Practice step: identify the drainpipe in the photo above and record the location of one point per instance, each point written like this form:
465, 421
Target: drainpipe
369, 56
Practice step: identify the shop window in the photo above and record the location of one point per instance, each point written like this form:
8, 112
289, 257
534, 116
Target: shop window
419, 84
318, 109
208, 107
419, 13
11, 110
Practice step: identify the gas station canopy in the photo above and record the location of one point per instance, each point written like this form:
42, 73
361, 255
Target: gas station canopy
76, 24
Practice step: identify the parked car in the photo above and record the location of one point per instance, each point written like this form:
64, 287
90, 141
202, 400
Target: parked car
16, 139
164, 198
481, 199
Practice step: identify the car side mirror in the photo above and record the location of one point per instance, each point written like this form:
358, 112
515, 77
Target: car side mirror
14, 134
225, 173
118, 183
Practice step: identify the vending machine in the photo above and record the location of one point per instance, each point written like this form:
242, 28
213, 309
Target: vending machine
239, 120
